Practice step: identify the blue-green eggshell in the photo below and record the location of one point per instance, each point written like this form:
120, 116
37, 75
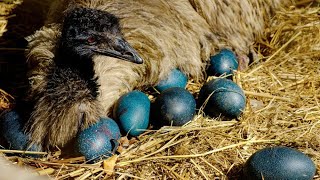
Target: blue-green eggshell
226, 98
12, 130
175, 106
279, 163
110, 128
98, 140
132, 112
225, 62
176, 78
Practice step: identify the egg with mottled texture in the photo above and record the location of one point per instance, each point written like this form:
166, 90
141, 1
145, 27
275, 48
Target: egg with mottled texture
132, 112
279, 163
223, 63
12, 129
99, 140
175, 78
110, 128
175, 106
222, 97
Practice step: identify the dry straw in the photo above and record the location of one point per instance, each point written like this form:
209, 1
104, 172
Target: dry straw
283, 94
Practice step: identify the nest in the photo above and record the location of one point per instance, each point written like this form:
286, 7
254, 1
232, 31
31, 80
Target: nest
283, 92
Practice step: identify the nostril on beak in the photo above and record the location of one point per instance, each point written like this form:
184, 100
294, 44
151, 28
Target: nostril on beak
127, 53
133, 56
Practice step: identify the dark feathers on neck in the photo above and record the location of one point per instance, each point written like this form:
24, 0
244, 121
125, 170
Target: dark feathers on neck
79, 37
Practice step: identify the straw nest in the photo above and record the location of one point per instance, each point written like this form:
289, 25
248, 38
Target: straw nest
283, 93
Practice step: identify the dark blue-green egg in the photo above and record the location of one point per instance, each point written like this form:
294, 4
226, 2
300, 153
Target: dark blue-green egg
175, 106
110, 128
279, 163
98, 140
225, 98
225, 62
132, 112
12, 130
176, 78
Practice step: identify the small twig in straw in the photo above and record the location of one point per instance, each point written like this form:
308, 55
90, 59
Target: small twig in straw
59, 171
47, 171
99, 175
122, 175
88, 174
21, 152
302, 2
266, 95
91, 166
293, 84
222, 124
76, 172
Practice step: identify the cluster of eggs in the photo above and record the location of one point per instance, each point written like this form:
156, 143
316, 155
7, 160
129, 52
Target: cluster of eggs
175, 105
134, 112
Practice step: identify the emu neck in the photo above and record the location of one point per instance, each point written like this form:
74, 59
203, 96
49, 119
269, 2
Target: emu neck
81, 65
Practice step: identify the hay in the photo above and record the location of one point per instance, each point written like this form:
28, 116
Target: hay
283, 94
5, 10
6, 100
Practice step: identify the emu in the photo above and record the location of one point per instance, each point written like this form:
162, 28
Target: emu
83, 60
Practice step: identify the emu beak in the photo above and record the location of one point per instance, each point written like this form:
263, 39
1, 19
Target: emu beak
122, 50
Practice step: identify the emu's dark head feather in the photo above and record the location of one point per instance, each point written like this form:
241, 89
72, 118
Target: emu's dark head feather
87, 32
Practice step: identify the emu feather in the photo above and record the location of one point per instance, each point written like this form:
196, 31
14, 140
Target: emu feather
166, 34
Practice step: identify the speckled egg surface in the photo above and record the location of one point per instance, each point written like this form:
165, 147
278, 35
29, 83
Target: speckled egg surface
110, 128
176, 78
225, 62
279, 163
11, 125
225, 97
132, 112
175, 106
98, 140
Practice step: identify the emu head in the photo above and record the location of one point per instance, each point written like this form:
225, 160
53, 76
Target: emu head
87, 32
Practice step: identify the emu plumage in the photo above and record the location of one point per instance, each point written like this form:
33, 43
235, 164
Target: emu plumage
166, 34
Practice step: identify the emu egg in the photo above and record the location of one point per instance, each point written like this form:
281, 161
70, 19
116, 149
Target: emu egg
176, 78
98, 140
12, 129
175, 106
132, 112
225, 62
275, 163
225, 98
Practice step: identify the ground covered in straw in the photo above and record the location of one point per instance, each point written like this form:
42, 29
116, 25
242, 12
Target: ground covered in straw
283, 93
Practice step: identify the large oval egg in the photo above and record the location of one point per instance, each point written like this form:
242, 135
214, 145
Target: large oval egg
279, 163
132, 112
176, 78
225, 97
12, 130
98, 140
225, 62
175, 106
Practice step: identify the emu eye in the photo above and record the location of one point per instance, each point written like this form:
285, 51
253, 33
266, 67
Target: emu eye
91, 40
